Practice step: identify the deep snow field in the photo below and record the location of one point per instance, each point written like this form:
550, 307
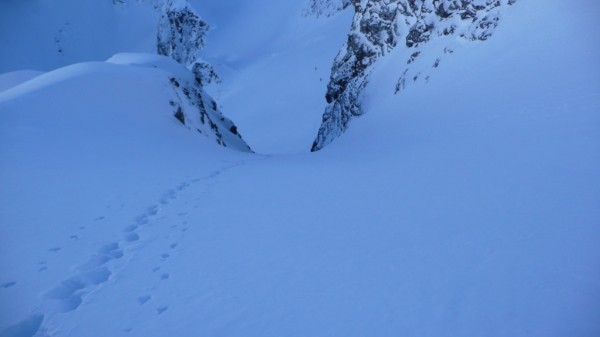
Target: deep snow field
465, 206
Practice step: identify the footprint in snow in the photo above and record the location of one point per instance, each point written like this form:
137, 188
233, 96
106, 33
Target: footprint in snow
112, 249
143, 299
54, 249
68, 295
130, 228
142, 220
164, 276
106, 253
171, 194
131, 237
152, 210
182, 186
27, 327
8, 284
162, 309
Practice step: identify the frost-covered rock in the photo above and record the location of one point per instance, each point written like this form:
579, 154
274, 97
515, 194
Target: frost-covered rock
191, 105
380, 26
180, 36
195, 109
326, 7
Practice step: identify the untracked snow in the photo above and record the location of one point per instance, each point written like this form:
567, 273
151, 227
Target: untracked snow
466, 205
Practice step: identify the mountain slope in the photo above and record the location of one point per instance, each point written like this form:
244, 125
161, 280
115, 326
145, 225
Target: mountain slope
67, 31
413, 26
464, 206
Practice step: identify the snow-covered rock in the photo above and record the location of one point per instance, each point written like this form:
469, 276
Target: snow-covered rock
76, 31
379, 27
326, 7
180, 36
191, 106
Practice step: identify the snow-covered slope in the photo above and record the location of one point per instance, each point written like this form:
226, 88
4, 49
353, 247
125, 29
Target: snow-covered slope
414, 29
464, 206
45, 35
89, 30
79, 143
250, 43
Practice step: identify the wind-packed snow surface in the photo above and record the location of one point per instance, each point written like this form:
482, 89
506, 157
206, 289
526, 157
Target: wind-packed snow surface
466, 205
44, 35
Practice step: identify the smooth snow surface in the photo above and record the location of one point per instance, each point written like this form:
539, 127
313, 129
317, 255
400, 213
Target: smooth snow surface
14, 78
465, 206
44, 34
275, 63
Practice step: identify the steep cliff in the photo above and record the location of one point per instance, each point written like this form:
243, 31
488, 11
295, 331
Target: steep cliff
180, 36
379, 27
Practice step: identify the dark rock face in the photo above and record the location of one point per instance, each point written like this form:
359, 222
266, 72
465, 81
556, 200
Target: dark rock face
380, 26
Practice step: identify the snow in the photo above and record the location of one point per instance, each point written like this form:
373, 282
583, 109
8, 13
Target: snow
14, 78
274, 79
463, 206
70, 31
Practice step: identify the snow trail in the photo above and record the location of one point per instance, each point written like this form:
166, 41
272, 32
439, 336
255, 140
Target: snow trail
103, 266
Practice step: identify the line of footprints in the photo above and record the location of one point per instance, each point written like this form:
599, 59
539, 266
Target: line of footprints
69, 294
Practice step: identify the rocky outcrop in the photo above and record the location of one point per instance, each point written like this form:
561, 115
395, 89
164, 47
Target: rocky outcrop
190, 104
326, 7
380, 26
180, 36
196, 110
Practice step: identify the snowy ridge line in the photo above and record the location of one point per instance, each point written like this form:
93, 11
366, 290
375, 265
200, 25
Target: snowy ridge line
106, 262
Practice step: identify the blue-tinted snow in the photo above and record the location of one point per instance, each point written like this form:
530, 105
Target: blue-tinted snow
465, 206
